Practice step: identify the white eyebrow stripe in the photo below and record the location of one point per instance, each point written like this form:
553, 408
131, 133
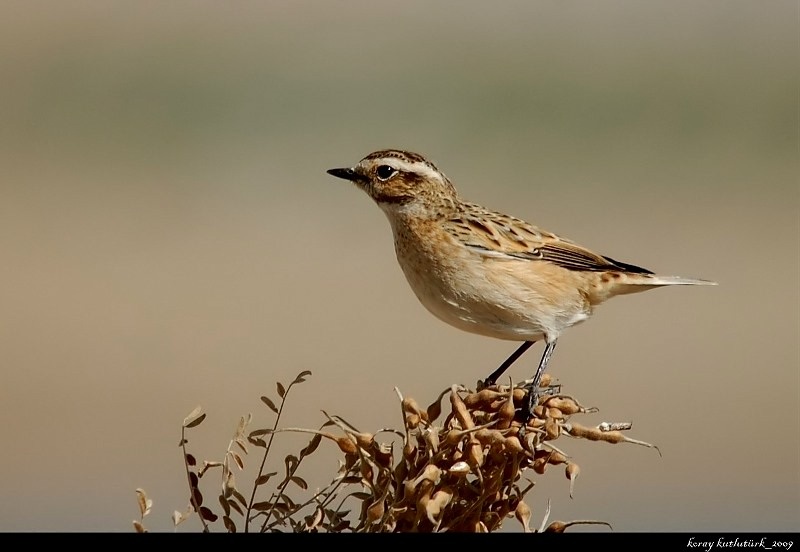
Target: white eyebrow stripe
413, 167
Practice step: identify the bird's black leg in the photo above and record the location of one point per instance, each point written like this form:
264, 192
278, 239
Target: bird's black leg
533, 387
492, 379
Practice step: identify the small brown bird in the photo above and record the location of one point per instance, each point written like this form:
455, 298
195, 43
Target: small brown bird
486, 272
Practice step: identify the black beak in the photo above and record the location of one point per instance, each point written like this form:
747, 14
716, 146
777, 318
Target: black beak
347, 174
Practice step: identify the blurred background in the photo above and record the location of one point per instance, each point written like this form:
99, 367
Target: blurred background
169, 238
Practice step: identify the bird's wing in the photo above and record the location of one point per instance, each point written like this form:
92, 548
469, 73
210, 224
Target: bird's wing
502, 236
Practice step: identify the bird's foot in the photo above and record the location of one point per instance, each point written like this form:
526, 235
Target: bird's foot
534, 395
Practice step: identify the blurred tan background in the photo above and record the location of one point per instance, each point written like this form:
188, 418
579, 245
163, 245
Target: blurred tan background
169, 238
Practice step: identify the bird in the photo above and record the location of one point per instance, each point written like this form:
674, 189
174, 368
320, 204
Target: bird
486, 272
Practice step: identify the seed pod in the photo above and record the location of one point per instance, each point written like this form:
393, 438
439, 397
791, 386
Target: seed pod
460, 410
536, 423
551, 430
556, 527
366, 471
594, 434
554, 457
347, 444
555, 413
572, 471
532, 439
560, 526
512, 445
413, 421
437, 503
363, 440
506, 413
453, 437
489, 437
523, 513
475, 456
410, 406
567, 405
481, 398
376, 510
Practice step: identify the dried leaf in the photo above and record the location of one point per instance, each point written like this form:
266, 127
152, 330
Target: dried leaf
229, 524
228, 484
315, 519
144, 503
139, 527
338, 521
300, 482
235, 505
196, 422
207, 514
312, 445
237, 459
226, 507
192, 415
291, 462
197, 497
177, 518
281, 390
262, 479
190, 459
242, 444
238, 496
341, 526
243, 422
301, 377
255, 441
270, 404
262, 506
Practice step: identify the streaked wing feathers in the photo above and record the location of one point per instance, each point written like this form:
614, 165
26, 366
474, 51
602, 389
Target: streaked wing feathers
500, 235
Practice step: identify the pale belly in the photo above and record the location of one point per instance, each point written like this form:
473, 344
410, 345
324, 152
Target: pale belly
465, 297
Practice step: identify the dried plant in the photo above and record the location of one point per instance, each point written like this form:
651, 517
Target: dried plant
468, 473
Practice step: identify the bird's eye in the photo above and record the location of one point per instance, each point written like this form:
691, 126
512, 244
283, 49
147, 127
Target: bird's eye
385, 172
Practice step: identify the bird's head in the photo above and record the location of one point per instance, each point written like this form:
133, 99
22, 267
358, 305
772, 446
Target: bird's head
401, 181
